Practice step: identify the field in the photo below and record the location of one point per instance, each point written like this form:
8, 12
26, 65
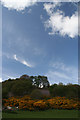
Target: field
42, 114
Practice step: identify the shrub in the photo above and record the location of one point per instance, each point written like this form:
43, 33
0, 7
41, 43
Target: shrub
36, 94
52, 103
40, 105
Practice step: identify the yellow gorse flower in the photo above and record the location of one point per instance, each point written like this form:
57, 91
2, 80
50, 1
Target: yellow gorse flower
26, 103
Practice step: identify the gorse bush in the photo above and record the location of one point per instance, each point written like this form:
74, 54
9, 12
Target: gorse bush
26, 103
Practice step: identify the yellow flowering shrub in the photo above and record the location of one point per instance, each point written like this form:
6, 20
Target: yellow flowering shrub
41, 105
26, 103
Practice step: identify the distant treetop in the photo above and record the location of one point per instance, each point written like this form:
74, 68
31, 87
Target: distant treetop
25, 76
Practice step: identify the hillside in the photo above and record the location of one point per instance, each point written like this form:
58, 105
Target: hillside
37, 87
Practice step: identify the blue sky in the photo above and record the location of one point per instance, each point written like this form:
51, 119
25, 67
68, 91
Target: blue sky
41, 39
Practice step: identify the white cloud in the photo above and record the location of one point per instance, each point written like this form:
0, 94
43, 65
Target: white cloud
29, 11
49, 7
17, 4
0, 79
22, 4
39, 51
14, 56
22, 61
58, 1
79, 22
7, 76
57, 77
41, 17
59, 23
59, 72
62, 66
26, 63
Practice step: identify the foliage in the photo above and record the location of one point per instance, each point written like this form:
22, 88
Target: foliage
17, 87
23, 85
27, 85
26, 103
40, 81
36, 94
70, 90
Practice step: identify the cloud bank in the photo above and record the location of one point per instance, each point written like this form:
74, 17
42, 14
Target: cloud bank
22, 61
22, 4
17, 4
59, 23
59, 72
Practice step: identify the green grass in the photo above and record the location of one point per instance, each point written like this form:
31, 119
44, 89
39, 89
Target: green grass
42, 114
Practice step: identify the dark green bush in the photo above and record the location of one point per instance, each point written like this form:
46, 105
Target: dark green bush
36, 94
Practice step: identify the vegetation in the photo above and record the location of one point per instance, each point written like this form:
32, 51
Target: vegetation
31, 85
42, 114
32, 96
23, 85
36, 94
27, 103
69, 90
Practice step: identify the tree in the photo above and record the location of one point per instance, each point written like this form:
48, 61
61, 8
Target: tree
22, 87
40, 81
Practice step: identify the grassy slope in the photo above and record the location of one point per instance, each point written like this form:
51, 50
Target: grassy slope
43, 114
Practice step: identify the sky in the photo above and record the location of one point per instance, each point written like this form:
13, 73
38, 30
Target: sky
40, 39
